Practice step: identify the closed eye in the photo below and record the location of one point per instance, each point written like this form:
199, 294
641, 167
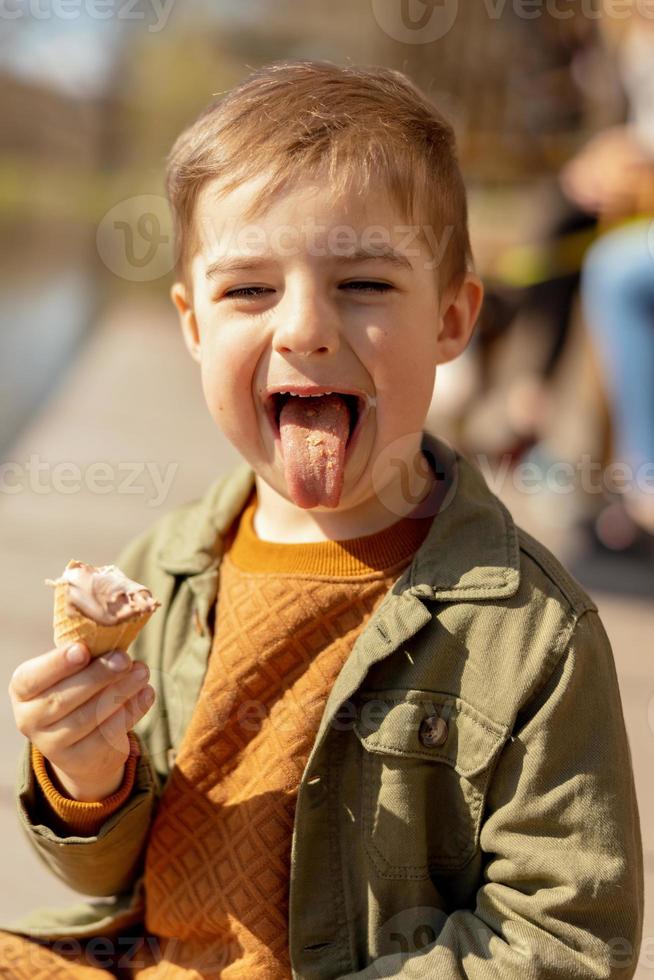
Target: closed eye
368, 286
248, 292
359, 286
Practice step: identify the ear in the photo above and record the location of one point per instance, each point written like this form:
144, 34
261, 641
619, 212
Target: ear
179, 296
459, 314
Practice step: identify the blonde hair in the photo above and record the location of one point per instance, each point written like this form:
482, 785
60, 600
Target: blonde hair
354, 127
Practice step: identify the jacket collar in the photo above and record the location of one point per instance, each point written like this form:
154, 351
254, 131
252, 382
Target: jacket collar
471, 551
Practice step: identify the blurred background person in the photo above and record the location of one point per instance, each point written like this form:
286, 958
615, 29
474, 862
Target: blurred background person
612, 178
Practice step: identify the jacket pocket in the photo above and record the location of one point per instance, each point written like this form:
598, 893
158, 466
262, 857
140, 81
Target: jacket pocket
426, 762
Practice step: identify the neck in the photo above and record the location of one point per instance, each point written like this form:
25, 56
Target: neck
280, 520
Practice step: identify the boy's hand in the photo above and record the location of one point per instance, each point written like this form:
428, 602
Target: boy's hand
78, 715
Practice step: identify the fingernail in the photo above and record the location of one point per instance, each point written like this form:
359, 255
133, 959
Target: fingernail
147, 696
118, 660
76, 654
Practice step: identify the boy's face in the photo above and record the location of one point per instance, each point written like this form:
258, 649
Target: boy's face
288, 301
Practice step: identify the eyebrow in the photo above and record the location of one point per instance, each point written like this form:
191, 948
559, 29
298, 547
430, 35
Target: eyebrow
385, 253
243, 263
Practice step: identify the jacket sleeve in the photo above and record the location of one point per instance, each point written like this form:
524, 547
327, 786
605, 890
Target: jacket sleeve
100, 864
562, 891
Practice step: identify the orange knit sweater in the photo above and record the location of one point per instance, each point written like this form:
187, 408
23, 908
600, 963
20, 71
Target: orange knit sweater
218, 857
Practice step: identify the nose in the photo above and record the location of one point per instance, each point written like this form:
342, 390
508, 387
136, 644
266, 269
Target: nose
307, 322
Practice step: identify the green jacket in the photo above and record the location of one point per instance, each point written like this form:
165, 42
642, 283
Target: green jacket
506, 845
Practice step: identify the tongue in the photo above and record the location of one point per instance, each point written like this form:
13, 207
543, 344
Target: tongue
314, 434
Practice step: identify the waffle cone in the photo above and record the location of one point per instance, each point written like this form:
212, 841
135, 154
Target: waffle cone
74, 627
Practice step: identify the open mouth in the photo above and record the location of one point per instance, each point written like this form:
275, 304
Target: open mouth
357, 407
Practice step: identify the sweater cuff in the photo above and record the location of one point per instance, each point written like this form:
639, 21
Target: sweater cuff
79, 817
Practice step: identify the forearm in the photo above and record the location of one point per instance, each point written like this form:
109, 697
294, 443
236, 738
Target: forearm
87, 792
82, 810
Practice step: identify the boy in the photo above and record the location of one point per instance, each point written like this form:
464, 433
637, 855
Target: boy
387, 737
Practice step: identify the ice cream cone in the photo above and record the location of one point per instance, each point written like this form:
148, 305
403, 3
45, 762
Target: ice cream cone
71, 626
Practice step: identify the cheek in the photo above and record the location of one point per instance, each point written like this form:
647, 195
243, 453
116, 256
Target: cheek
226, 381
212, 393
401, 360
226, 366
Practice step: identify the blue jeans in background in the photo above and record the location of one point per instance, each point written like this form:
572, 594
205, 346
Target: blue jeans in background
617, 292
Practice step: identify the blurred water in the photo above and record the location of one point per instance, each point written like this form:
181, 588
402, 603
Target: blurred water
41, 325
74, 55
78, 52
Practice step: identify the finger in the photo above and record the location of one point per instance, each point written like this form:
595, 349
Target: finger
118, 724
57, 701
35, 675
110, 738
83, 720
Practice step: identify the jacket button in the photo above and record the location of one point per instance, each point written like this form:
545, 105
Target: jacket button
433, 731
